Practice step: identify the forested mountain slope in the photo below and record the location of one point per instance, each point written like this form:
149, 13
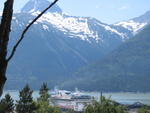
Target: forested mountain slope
125, 69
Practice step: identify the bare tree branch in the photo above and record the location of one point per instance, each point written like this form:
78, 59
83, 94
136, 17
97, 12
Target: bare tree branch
26, 29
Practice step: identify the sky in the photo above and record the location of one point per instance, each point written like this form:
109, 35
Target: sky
107, 11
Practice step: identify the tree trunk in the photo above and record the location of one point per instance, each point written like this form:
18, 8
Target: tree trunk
3, 67
5, 28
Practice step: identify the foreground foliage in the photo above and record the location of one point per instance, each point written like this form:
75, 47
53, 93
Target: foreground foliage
105, 106
43, 104
7, 104
25, 104
144, 109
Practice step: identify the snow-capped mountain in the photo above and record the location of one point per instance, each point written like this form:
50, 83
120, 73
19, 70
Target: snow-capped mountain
136, 24
70, 25
57, 45
39, 5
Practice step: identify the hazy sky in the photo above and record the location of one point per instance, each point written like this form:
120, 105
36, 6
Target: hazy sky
109, 11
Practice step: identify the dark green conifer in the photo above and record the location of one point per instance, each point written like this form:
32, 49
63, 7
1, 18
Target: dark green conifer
43, 100
44, 94
7, 104
25, 103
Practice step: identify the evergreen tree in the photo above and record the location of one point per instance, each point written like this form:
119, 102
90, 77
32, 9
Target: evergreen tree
43, 100
44, 95
7, 104
104, 106
25, 103
44, 107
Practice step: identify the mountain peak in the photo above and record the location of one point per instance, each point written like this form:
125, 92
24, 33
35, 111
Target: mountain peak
39, 5
136, 24
143, 18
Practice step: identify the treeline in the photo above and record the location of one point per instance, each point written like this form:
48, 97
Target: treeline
43, 104
26, 104
110, 106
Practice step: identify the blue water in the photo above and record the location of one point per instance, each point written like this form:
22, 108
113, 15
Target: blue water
124, 98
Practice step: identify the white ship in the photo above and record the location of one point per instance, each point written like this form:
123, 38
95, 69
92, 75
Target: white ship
70, 100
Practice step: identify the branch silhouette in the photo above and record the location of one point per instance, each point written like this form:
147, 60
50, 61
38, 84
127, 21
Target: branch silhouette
27, 28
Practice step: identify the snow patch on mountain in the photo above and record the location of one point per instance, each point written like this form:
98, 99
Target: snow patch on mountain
131, 25
122, 35
70, 25
45, 27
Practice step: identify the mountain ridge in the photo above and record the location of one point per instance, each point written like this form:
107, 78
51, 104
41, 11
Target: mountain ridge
57, 45
125, 69
136, 24
39, 5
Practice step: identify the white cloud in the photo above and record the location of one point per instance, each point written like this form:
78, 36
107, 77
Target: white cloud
123, 8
